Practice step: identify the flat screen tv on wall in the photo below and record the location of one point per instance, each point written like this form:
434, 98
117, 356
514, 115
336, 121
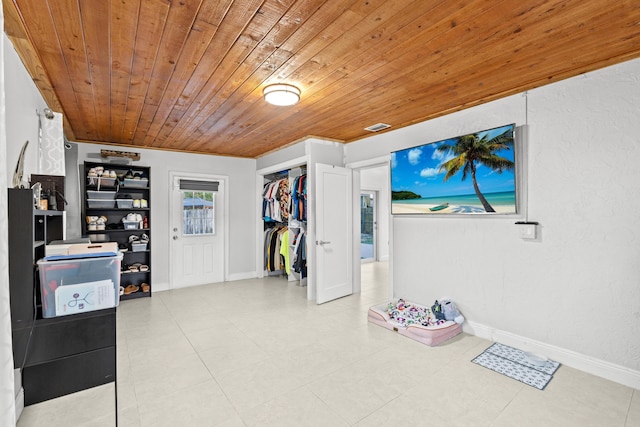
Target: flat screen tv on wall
472, 174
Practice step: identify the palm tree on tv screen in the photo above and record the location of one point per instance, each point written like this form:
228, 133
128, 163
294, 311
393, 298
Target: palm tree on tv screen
470, 151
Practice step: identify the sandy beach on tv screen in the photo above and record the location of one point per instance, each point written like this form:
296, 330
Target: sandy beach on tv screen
412, 208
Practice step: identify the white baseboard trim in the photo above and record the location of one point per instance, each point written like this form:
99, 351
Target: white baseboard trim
19, 392
164, 286
591, 365
159, 287
242, 276
19, 403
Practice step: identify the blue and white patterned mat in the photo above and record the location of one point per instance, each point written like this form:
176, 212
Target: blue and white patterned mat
513, 363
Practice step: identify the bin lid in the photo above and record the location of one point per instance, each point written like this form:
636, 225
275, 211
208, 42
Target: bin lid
79, 256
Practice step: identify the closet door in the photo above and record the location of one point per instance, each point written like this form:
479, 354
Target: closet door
333, 233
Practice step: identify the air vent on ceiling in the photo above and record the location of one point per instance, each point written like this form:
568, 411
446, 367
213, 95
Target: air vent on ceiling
377, 127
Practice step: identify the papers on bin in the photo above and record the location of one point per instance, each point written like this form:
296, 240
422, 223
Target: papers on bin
83, 297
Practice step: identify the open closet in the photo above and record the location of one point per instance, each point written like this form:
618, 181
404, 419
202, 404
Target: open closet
284, 212
317, 226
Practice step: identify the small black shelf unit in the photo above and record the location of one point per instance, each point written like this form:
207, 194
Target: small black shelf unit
114, 231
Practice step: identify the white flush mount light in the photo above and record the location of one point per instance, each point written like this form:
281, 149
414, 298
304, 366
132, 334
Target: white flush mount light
281, 94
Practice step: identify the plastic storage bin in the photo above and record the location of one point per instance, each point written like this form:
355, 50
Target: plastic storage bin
138, 247
124, 203
77, 284
131, 225
101, 203
100, 181
106, 195
136, 183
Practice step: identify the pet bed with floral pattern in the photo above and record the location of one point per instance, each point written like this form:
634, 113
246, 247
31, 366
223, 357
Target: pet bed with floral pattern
430, 326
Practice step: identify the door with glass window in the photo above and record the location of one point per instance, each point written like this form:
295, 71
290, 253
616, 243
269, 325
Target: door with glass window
197, 243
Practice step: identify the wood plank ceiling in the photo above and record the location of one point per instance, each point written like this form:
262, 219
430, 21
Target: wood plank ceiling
188, 75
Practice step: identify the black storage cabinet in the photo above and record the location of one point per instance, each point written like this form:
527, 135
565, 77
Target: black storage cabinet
60, 355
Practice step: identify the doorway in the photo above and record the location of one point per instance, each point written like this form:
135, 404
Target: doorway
376, 264
198, 230
368, 226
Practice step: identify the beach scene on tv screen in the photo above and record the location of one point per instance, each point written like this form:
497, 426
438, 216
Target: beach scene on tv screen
468, 174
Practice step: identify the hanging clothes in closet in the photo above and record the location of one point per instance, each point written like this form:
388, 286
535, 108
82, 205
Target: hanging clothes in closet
299, 198
298, 244
285, 255
284, 211
276, 200
274, 246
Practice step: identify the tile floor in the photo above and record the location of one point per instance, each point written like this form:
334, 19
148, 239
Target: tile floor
257, 353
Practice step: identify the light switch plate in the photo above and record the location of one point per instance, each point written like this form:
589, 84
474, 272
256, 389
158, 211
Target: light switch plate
527, 231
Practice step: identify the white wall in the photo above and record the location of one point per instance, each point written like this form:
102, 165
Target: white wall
23, 103
240, 195
574, 291
377, 178
275, 158
7, 388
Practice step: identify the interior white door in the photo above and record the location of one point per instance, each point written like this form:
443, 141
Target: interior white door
196, 235
334, 274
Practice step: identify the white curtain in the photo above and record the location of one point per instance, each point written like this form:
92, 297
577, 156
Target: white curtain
7, 393
51, 145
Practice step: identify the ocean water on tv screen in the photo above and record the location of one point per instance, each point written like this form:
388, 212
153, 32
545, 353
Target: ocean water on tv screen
504, 198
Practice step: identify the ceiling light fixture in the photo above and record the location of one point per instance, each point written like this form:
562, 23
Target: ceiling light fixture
281, 94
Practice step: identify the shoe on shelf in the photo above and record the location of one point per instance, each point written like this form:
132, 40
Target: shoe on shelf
145, 287
129, 289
